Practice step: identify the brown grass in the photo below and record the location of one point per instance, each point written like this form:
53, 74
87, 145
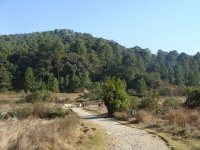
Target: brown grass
143, 116
44, 126
39, 134
121, 116
70, 97
183, 117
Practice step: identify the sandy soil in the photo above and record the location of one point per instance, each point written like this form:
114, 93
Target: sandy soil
122, 137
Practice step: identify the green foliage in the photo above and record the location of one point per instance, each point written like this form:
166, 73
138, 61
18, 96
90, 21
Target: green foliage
75, 82
54, 85
85, 80
141, 87
172, 103
30, 82
115, 96
31, 61
193, 97
5, 79
149, 103
135, 102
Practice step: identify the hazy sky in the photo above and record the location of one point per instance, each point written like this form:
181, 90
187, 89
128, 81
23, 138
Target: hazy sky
154, 24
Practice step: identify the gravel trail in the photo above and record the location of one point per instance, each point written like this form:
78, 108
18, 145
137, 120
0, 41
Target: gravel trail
122, 137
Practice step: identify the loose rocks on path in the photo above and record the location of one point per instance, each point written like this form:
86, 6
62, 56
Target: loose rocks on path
122, 137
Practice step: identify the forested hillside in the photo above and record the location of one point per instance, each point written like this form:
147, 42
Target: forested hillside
63, 60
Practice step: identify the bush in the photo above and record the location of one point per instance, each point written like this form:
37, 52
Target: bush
115, 96
59, 134
166, 91
143, 116
182, 116
193, 97
149, 103
121, 116
135, 102
39, 110
20, 113
69, 123
169, 90
38, 97
50, 112
172, 103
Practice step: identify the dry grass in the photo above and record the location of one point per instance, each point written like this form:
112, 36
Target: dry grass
44, 126
144, 116
121, 116
39, 134
69, 97
96, 141
183, 117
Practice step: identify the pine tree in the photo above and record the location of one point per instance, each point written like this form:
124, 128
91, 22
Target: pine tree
141, 87
30, 82
74, 82
85, 80
5, 79
54, 85
115, 96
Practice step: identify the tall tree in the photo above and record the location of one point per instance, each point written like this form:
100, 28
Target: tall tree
5, 79
115, 96
30, 81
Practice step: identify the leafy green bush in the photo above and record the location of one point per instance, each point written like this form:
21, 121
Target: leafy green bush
149, 103
135, 102
166, 91
193, 97
115, 96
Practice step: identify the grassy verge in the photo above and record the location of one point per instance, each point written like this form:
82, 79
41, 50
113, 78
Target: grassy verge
173, 142
181, 144
96, 141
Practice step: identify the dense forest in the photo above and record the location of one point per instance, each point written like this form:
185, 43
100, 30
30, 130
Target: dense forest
63, 60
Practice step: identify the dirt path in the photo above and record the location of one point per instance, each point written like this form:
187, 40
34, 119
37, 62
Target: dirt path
122, 137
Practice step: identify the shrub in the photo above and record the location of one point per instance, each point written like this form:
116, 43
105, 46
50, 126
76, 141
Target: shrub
38, 96
182, 116
166, 91
149, 103
172, 103
50, 112
143, 116
121, 116
39, 110
169, 90
193, 97
68, 124
20, 113
135, 102
115, 96
59, 134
